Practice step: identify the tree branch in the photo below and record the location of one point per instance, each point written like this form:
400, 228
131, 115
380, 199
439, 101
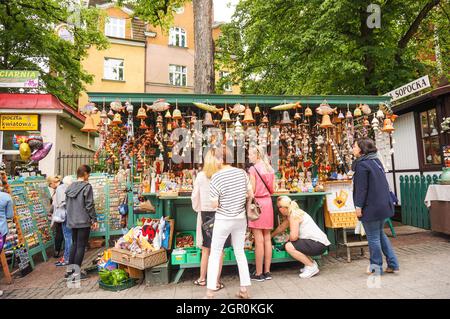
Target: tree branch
403, 42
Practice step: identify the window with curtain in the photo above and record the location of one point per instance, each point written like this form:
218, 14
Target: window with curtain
430, 137
115, 27
177, 37
113, 69
177, 75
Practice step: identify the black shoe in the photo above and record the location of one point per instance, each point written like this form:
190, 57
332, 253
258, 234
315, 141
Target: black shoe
268, 276
257, 277
72, 276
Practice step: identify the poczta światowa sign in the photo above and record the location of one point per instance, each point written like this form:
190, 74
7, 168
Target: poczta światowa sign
19, 122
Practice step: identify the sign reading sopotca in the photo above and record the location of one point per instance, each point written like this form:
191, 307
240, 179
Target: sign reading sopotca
410, 88
19, 122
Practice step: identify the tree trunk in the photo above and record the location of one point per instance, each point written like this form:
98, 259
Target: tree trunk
204, 47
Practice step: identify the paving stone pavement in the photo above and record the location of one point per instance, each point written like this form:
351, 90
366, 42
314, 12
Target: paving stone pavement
424, 258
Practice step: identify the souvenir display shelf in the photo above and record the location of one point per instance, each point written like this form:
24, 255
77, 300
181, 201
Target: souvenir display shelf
26, 221
39, 201
108, 195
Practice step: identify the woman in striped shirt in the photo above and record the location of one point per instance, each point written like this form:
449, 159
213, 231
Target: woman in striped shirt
229, 189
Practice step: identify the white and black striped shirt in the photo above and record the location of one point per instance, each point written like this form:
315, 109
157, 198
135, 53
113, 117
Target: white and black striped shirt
229, 186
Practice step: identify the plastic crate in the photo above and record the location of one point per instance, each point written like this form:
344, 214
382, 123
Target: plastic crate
227, 254
158, 275
250, 254
278, 254
194, 256
127, 284
184, 233
232, 255
178, 258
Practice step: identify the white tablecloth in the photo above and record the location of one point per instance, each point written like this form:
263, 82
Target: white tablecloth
437, 192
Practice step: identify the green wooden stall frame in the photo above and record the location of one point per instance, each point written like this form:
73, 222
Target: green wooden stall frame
166, 206
180, 209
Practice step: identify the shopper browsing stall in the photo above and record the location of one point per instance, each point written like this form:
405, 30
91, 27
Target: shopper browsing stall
373, 204
81, 216
6, 212
306, 239
229, 189
201, 203
53, 183
60, 217
262, 179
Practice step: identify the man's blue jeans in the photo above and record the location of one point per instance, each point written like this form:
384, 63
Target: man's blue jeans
67, 232
379, 244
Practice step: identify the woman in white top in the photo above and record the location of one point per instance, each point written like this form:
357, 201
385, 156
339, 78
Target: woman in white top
201, 203
229, 189
306, 239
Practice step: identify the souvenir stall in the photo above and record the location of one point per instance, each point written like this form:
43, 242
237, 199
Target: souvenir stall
309, 138
29, 232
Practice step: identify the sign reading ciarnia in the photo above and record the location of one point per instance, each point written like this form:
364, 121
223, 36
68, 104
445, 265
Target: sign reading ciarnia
19, 122
19, 79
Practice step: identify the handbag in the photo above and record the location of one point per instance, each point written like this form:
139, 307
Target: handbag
208, 226
146, 206
123, 208
253, 207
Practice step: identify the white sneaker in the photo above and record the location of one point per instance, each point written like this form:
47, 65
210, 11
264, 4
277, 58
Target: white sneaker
1, 293
303, 268
309, 271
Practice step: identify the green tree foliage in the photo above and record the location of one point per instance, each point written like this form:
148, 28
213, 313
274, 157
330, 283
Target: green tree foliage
155, 12
326, 46
28, 41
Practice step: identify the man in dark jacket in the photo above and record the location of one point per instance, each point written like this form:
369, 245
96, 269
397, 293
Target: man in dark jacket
373, 203
81, 216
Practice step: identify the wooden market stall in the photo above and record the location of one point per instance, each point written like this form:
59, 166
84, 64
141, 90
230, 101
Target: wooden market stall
316, 146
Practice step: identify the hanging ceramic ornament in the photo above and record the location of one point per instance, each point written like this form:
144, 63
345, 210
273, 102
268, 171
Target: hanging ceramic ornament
129, 107
168, 115
375, 124
357, 112
308, 112
177, 113
366, 109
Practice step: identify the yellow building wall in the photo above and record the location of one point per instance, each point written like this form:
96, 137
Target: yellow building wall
184, 20
134, 70
134, 63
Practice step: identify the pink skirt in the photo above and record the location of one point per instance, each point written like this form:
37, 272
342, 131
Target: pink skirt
265, 221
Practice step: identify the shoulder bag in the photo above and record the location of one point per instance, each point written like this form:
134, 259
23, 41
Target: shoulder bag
253, 207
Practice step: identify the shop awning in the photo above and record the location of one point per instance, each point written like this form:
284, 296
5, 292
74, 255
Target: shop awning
34, 103
221, 99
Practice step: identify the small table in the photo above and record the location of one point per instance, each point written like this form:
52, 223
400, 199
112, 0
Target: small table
438, 202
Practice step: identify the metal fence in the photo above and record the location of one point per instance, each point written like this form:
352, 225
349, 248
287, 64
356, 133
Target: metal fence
68, 163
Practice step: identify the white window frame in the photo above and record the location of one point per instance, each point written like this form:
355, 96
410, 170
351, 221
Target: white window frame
115, 27
177, 75
118, 67
227, 87
179, 10
176, 35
